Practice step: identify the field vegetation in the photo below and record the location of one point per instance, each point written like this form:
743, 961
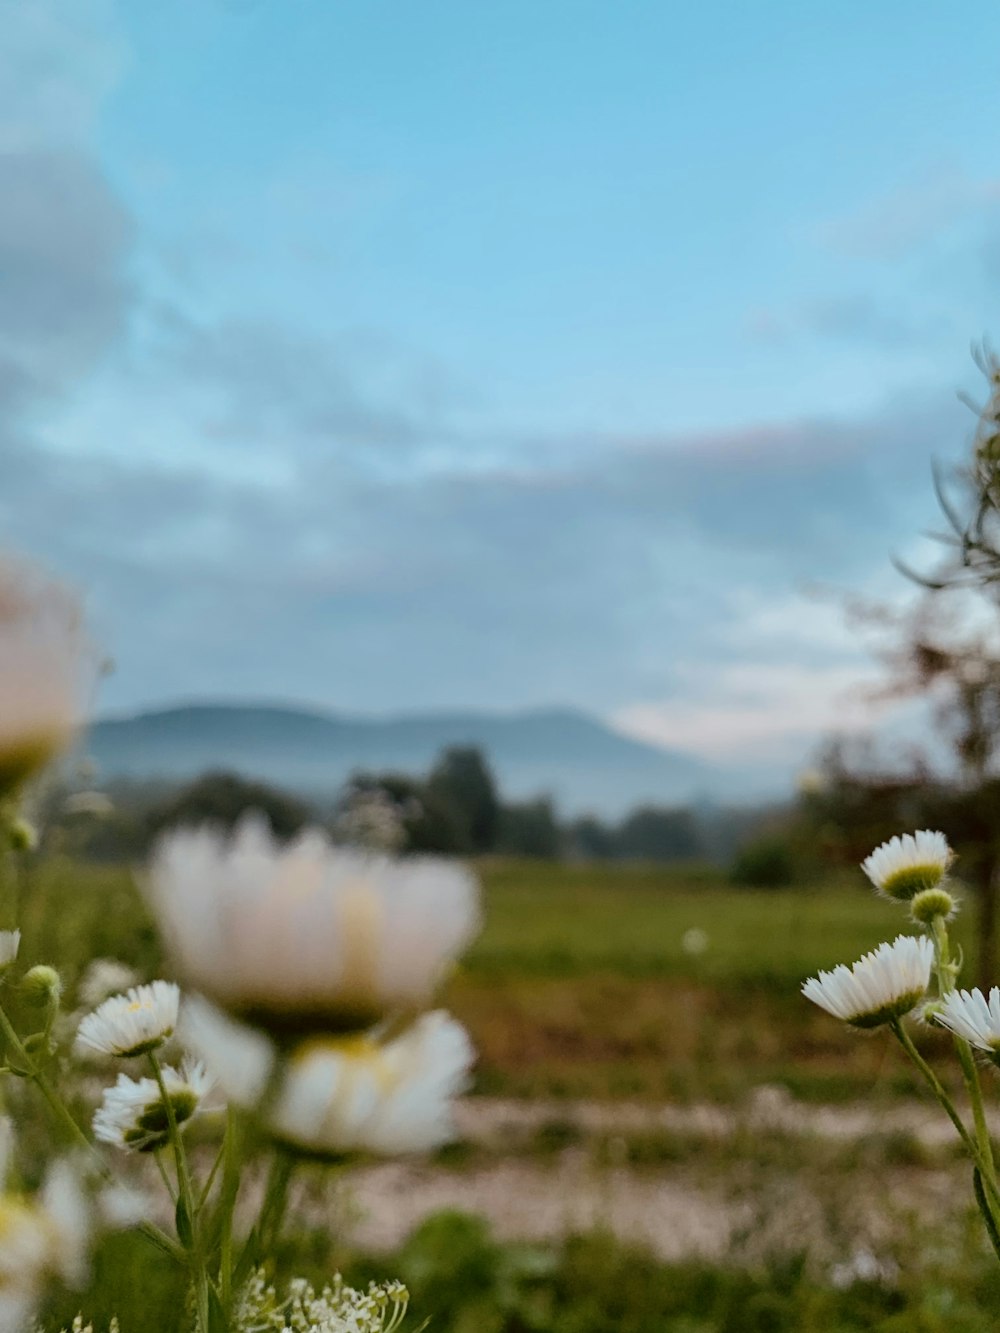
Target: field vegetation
644, 1049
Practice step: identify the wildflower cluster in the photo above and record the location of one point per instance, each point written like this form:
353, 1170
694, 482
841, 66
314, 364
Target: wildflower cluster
301, 1017
336, 1309
918, 974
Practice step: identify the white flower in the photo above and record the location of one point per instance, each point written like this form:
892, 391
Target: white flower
344, 1094
970, 1015
338, 1308
880, 987
103, 978
45, 668
694, 941
240, 1058
308, 937
10, 942
132, 1114
41, 1238
134, 1023
904, 865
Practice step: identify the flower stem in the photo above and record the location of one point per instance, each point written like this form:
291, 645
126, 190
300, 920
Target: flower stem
57, 1106
185, 1199
227, 1204
946, 984
276, 1197
971, 1146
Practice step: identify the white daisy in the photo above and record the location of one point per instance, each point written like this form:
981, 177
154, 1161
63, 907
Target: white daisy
45, 668
134, 1023
41, 1238
881, 986
904, 865
132, 1114
346, 1094
308, 936
970, 1015
10, 942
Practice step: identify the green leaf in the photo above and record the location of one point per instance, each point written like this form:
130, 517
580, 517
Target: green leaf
217, 1321
185, 1229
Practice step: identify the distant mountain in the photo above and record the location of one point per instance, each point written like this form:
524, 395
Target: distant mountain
583, 763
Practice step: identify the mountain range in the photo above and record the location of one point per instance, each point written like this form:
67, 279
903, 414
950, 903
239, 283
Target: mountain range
580, 761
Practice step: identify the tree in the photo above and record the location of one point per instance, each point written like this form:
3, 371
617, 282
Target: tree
426, 823
651, 833
592, 840
530, 828
222, 799
462, 782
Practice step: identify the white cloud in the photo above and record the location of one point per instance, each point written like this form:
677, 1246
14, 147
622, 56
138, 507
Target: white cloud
911, 213
745, 711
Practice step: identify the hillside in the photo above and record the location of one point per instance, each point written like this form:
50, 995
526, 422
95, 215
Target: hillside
582, 762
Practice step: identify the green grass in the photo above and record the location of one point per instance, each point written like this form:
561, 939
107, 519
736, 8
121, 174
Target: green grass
564, 920
463, 1280
579, 985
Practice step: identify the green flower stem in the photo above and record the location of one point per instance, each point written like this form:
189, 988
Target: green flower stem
167, 1182
946, 984
57, 1106
971, 1146
227, 1204
276, 1195
186, 1197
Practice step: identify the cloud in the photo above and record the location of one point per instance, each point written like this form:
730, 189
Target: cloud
911, 214
855, 319
768, 712
608, 581
58, 61
64, 239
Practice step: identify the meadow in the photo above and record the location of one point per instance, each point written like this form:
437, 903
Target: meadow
580, 985
657, 1138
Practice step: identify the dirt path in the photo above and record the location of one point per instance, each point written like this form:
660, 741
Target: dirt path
676, 1210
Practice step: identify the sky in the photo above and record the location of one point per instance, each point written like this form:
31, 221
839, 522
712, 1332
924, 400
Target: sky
384, 355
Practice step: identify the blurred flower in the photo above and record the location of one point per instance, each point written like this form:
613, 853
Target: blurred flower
104, 977
45, 663
372, 819
308, 937
694, 941
862, 1266
880, 987
346, 1094
905, 865
811, 782
970, 1015
10, 942
134, 1023
133, 1116
41, 1238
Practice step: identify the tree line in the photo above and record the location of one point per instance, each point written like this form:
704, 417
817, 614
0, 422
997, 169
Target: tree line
456, 809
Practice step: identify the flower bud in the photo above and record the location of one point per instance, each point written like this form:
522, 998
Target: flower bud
41, 985
930, 904
23, 836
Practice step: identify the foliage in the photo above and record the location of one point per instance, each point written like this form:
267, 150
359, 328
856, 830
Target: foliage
766, 863
530, 828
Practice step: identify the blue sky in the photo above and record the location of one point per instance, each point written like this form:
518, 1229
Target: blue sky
387, 355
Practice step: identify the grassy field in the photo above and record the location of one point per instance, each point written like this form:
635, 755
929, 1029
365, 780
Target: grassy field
580, 988
579, 985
